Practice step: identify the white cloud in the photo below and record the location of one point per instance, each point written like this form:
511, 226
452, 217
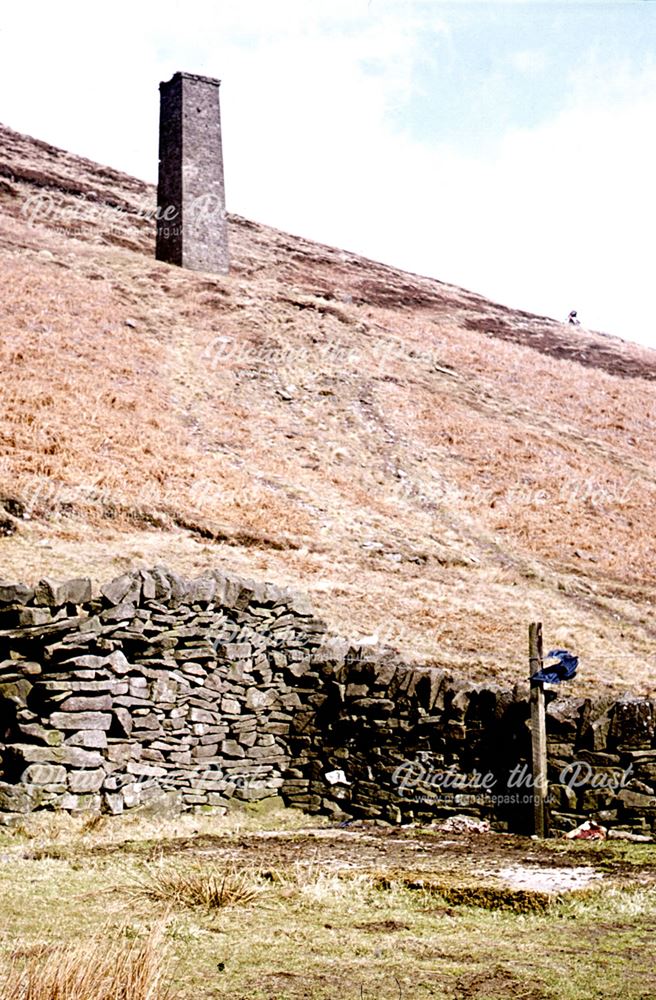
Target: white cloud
551, 218
530, 62
558, 217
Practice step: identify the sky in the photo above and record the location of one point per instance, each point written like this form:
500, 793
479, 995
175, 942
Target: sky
509, 148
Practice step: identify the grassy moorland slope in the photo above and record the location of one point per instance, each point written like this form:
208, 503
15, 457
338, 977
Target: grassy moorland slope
433, 468
273, 905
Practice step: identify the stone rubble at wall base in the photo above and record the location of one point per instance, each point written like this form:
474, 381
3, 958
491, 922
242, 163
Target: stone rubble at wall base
209, 690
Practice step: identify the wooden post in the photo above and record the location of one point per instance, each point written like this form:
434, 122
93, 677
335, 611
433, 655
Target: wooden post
538, 731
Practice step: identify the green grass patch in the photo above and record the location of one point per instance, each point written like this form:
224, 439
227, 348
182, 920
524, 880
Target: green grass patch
318, 922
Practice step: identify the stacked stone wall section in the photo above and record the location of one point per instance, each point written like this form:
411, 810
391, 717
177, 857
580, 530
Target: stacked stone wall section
198, 692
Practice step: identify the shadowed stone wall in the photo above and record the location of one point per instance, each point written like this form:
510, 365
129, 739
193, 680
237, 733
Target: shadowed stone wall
219, 688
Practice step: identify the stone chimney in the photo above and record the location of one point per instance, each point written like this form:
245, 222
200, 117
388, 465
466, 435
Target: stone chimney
192, 227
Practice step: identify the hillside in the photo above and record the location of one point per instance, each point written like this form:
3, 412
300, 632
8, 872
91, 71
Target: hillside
433, 468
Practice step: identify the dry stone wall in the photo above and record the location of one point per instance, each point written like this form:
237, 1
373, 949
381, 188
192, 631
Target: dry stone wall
193, 693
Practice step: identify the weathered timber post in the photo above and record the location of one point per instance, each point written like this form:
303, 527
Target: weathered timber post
538, 730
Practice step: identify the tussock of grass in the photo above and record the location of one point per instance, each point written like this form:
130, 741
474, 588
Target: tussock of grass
94, 824
319, 883
211, 888
89, 970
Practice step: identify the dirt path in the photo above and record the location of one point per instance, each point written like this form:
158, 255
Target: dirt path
418, 858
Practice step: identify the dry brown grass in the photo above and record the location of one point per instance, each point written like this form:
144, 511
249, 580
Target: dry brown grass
206, 886
290, 421
96, 969
323, 930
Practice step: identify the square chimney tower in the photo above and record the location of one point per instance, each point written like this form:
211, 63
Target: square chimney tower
192, 229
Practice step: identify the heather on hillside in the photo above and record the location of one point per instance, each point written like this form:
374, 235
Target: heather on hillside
435, 469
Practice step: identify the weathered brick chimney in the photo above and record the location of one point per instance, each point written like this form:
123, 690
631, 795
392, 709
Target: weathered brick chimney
191, 218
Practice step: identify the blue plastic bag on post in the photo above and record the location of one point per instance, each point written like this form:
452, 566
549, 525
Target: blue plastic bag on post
563, 669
